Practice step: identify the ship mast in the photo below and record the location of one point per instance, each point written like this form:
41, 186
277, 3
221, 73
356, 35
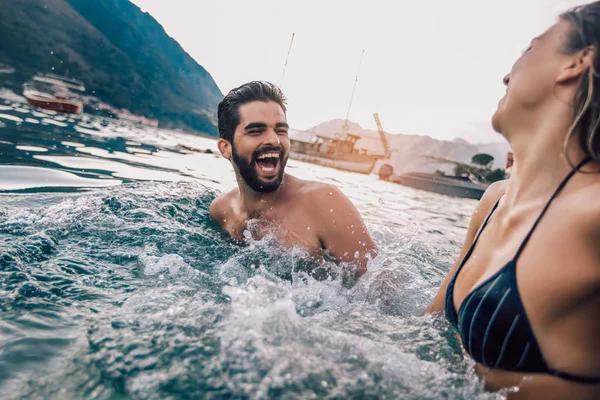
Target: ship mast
345, 127
286, 61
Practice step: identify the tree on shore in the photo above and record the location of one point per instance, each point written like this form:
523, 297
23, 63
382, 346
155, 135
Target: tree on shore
484, 162
483, 159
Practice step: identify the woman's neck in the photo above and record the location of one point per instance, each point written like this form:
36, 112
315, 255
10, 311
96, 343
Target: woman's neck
540, 163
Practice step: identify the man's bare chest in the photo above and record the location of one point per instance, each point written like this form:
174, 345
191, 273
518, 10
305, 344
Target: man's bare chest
291, 229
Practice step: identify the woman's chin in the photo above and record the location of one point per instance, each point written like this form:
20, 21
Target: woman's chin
497, 119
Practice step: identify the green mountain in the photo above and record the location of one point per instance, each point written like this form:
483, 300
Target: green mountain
122, 54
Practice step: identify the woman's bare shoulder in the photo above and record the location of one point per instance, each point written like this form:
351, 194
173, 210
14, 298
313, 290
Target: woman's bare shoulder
491, 196
584, 207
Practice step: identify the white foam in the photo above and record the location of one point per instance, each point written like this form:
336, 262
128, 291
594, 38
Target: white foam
72, 144
53, 122
32, 148
171, 263
11, 117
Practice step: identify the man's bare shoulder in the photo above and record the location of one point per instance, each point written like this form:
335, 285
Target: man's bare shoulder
222, 207
325, 201
314, 190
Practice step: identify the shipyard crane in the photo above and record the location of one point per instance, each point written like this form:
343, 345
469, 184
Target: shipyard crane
384, 141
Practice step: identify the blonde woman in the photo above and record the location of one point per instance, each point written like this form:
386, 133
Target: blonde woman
524, 294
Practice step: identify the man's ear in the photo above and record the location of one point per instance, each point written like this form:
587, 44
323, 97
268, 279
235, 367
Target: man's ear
578, 64
225, 148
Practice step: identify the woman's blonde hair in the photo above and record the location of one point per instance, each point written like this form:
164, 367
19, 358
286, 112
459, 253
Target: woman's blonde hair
585, 33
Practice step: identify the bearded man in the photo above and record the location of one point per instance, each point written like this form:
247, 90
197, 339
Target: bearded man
316, 216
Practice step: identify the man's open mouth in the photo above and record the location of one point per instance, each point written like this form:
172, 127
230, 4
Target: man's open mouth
267, 162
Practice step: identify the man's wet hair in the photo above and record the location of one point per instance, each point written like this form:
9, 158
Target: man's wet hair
228, 111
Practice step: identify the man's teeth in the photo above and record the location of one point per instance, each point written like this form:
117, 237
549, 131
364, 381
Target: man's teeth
268, 155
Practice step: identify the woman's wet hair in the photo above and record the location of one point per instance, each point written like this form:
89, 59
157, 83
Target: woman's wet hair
228, 111
585, 33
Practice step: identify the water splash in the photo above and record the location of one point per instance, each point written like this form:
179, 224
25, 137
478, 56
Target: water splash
131, 291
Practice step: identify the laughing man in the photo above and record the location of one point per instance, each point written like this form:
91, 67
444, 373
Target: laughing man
317, 216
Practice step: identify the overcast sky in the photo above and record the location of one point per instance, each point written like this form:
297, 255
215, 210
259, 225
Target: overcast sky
430, 67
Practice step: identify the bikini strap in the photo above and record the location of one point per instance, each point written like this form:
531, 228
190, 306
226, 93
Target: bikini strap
449, 301
554, 195
468, 255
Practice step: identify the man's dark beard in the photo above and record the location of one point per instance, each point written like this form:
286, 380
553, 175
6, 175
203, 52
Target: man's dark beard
249, 173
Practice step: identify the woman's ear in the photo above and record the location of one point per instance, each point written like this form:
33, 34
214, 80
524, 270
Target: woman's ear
224, 148
577, 65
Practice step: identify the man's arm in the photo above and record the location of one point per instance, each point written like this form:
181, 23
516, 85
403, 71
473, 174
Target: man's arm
341, 229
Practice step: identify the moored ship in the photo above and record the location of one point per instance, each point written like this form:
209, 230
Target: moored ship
54, 92
448, 185
337, 152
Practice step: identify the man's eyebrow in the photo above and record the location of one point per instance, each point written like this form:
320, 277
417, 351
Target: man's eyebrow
255, 125
282, 125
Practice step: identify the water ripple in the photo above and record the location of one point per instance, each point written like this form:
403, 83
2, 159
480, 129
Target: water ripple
130, 291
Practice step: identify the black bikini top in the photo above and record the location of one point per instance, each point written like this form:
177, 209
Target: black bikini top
492, 322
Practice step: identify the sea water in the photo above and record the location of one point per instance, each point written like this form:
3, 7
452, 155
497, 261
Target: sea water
115, 284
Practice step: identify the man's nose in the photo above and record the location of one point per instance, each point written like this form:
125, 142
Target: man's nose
271, 137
